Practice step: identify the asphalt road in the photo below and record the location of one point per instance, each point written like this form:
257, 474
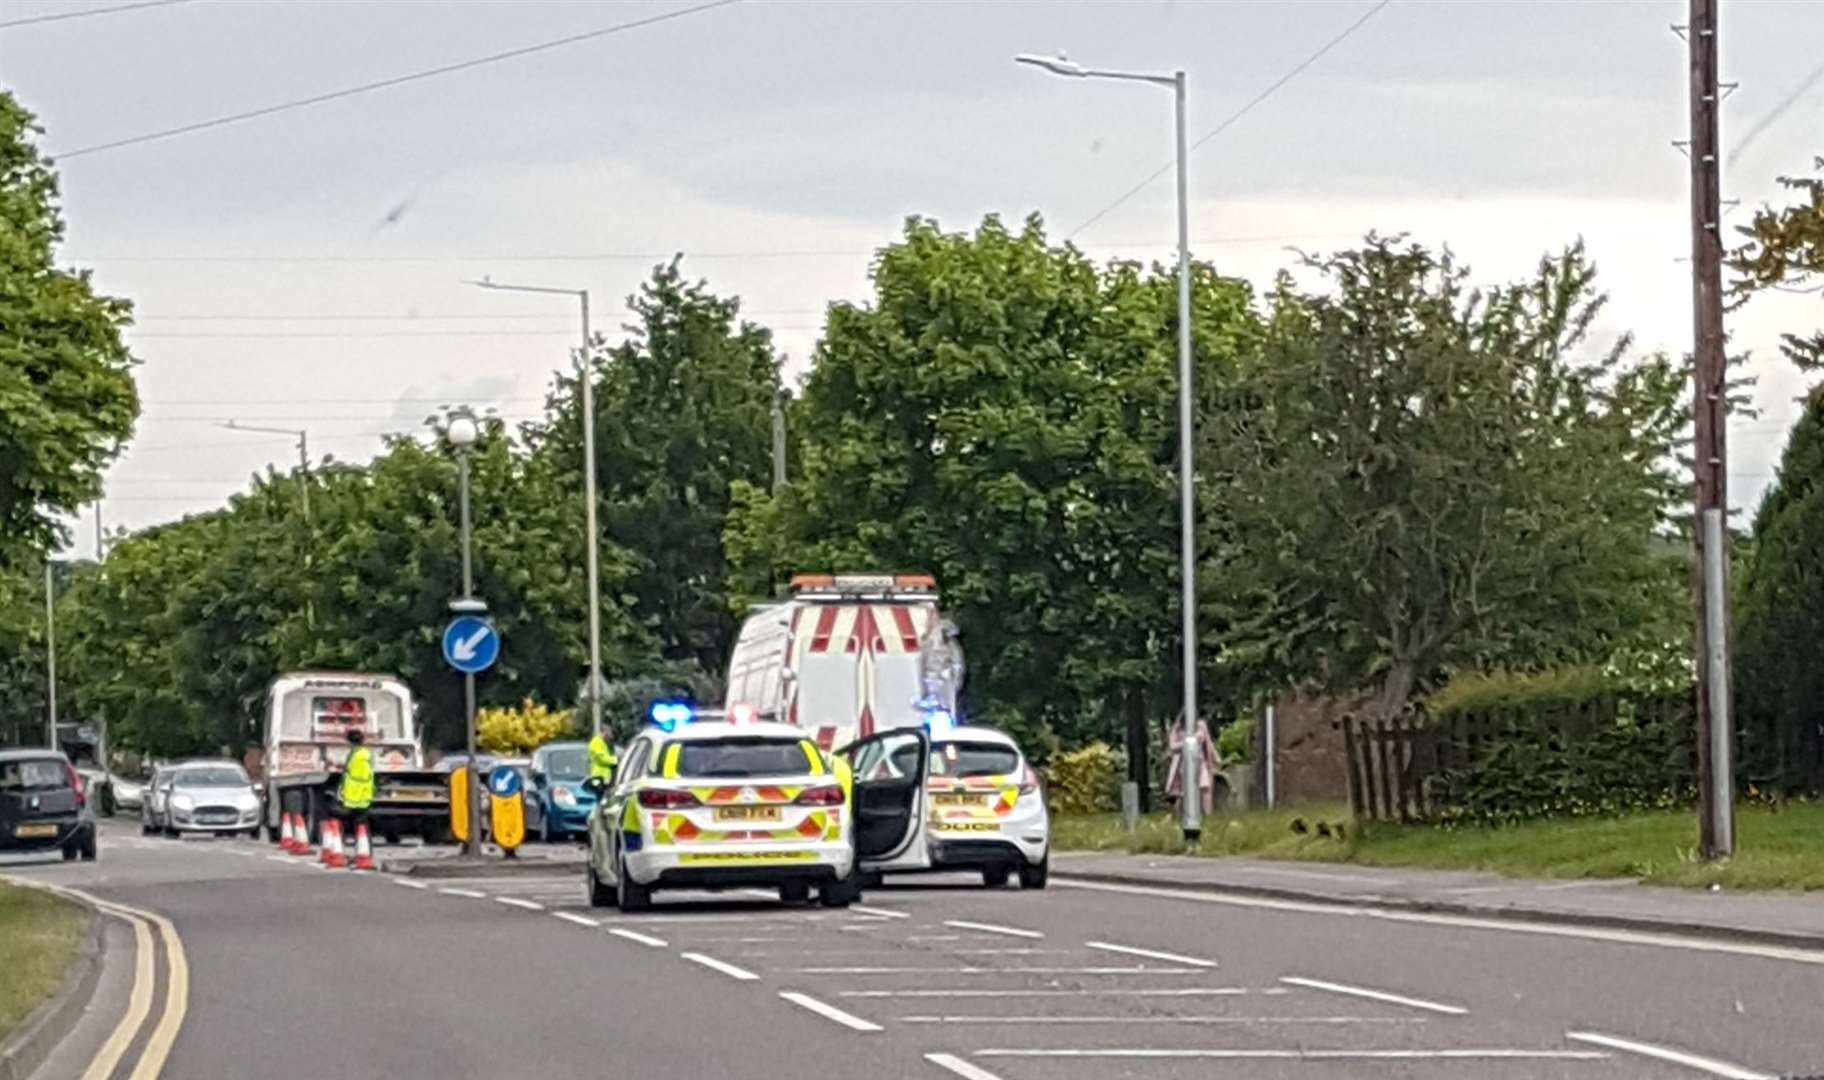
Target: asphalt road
295, 971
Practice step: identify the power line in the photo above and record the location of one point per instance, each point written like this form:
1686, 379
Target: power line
85, 13
241, 334
322, 317
397, 80
1236, 115
1773, 115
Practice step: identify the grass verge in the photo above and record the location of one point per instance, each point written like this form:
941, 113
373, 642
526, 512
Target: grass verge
38, 937
1778, 846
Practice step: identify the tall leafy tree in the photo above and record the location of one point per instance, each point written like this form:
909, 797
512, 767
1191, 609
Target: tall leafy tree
1001, 414
67, 399
1780, 619
1410, 473
1784, 249
683, 413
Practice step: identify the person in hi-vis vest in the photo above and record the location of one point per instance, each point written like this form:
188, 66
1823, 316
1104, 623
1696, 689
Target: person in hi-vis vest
601, 759
357, 792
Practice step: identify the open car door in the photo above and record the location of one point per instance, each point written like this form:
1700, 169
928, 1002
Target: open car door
890, 771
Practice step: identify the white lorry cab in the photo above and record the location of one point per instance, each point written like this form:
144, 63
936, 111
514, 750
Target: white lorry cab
844, 656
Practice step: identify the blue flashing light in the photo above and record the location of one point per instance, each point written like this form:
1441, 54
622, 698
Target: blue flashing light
939, 721
667, 715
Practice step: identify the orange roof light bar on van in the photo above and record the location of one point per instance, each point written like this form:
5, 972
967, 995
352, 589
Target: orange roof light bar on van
843, 584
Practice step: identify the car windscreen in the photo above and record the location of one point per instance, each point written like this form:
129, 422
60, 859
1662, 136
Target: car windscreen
213, 776
736, 758
960, 759
34, 774
570, 763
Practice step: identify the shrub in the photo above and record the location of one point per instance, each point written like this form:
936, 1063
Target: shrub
1086, 780
521, 730
1235, 743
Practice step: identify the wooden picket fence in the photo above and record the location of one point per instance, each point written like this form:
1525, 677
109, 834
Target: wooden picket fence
1392, 763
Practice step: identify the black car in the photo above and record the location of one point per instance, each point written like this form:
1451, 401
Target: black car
43, 805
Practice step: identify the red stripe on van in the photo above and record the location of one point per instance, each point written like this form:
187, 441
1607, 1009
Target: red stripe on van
826, 625
908, 634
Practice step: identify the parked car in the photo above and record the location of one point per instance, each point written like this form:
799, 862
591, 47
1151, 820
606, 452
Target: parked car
129, 794
152, 805
211, 797
557, 803
42, 805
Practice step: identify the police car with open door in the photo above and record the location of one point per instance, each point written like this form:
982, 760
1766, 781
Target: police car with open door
712, 800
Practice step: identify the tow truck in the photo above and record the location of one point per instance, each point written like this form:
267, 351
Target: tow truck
307, 719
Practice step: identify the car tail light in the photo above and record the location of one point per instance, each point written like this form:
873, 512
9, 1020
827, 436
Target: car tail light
828, 795
82, 797
666, 799
1029, 780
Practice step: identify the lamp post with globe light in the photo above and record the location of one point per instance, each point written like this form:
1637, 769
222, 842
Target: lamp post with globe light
461, 433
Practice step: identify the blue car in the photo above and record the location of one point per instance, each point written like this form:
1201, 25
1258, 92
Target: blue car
557, 804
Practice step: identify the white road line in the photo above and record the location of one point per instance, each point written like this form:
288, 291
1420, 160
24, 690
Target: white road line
1453, 1054
885, 913
1666, 1053
470, 893
1175, 958
995, 971
1235, 1020
637, 936
279, 858
1347, 909
991, 928
571, 916
410, 884
934, 937
960, 1067
1375, 995
514, 901
1202, 991
828, 1011
713, 964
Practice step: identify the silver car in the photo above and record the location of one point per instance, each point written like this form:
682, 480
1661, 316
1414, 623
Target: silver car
201, 796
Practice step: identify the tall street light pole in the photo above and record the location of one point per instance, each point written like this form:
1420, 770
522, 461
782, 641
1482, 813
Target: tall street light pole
462, 434
585, 376
50, 643
1190, 802
303, 436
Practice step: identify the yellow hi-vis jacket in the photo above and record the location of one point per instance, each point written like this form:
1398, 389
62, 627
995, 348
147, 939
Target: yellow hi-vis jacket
358, 780
601, 759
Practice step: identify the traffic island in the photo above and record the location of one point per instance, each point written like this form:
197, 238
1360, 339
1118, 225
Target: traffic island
50, 952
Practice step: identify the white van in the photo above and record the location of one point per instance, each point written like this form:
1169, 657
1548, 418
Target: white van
847, 655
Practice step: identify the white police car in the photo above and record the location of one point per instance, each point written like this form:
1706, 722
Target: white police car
703, 800
987, 807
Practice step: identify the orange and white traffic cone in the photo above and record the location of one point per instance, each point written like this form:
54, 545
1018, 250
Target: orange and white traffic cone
364, 852
300, 835
332, 845
288, 837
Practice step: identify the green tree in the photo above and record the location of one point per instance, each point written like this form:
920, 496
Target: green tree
67, 399
1001, 414
683, 413
1410, 474
1784, 249
1779, 676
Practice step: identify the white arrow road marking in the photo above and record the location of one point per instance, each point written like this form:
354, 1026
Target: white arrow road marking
464, 649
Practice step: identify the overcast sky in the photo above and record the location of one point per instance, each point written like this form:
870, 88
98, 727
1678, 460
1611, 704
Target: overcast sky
777, 144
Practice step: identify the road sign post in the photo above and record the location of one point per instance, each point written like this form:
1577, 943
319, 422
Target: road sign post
471, 645
507, 808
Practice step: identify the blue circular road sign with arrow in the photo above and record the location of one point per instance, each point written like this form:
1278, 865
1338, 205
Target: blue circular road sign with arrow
471, 644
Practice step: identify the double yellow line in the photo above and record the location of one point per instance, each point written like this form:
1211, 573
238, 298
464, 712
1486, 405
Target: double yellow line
139, 1004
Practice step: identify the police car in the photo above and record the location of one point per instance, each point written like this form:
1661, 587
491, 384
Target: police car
987, 809
721, 800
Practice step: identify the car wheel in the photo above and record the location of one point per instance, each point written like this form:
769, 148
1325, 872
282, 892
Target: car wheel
171, 832
995, 876
391, 836
146, 829
840, 894
630, 895
69, 853
544, 829
599, 895
1034, 875
87, 847
795, 892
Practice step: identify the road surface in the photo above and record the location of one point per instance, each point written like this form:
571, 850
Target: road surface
295, 971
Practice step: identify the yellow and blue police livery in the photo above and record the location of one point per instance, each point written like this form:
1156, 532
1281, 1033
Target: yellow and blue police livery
724, 800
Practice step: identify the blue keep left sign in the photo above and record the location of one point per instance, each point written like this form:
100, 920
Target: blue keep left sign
471, 644
504, 781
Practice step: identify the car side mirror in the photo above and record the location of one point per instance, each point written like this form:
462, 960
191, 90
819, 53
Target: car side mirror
595, 786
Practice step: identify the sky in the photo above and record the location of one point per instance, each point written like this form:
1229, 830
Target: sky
306, 269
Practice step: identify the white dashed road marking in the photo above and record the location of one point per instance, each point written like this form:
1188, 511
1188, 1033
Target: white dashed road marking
571, 916
635, 935
992, 928
1375, 995
514, 901
828, 1011
1453, 1054
1666, 1053
1175, 958
470, 893
960, 1067
885, 913
410, 884
713, 964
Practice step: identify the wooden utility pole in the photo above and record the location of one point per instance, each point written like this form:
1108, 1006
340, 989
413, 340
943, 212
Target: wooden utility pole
1715, 730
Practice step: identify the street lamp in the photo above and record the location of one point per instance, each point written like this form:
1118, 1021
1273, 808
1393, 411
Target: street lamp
310, 604
586, 376
1190, 804
462, 433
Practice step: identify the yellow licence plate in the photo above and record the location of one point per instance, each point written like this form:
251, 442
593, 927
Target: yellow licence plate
415, 794
959, 800
29, 831
747, 813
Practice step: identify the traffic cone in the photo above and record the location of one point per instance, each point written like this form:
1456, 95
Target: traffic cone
364, 852
300, 835
332, 845
288, 837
